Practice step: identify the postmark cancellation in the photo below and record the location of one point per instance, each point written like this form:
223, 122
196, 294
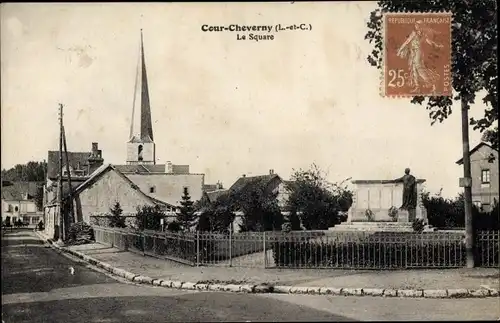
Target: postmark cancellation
417, 54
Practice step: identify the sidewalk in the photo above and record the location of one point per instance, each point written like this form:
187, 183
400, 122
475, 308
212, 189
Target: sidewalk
165, 270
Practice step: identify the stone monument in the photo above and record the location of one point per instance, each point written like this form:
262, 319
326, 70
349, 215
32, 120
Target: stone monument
385, 205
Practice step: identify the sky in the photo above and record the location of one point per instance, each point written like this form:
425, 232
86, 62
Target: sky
224, 106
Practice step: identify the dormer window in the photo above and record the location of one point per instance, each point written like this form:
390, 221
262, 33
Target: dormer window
152, 189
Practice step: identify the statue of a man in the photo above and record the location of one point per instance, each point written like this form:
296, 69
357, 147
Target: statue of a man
409, 190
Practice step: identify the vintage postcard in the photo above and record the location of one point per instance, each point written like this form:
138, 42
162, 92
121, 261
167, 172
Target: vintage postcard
191, 162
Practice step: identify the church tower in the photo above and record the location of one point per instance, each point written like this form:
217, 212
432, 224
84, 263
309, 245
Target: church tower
141, 147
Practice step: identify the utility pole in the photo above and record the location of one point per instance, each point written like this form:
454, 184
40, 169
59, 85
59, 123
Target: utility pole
466, 183
70, 219
60, 183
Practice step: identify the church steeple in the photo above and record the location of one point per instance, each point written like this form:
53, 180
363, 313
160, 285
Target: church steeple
141, 147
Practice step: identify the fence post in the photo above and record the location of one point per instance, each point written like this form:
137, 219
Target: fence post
154, 243
197, 248
264, 245
125, 242
231, 245
143, 243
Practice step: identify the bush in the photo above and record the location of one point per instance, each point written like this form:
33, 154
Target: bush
41, 226
149, 217
418, 225
393, 213
174, 226
369, 215
80, 233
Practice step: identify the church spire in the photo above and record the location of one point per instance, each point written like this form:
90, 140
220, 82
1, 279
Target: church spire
141, 87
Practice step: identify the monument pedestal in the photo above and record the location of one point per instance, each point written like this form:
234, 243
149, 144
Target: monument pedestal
379, 197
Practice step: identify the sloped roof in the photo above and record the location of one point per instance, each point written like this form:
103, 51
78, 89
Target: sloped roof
214, 195
250, 182
473, 150
180, 169
209, 187
17, 190
75, 158
140, 168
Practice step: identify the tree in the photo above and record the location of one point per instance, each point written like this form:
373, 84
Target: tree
148, 217
32, 171
260, 208
217, 216
186, 215
39, 197
116, 220
317, 202
491, 136
474, 69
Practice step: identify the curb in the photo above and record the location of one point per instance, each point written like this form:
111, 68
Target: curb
277, 289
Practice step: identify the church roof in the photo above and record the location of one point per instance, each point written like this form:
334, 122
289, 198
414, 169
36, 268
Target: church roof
140, 168
141, 87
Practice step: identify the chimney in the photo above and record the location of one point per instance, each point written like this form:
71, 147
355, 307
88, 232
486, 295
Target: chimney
219, 185
95, 160
271, 172
244, 175
95, 149
169, 168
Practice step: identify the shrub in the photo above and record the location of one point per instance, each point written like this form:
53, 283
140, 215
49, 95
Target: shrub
148, 217
393, 213
80, 233
418, 225
369, 215
174, 226
41, 226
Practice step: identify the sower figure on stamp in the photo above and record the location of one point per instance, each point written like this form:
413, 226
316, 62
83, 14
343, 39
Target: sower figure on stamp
412, 49
409, 192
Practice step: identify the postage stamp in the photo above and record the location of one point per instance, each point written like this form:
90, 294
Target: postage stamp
417, 54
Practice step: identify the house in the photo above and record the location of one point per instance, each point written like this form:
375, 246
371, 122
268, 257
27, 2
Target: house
81, 165
18, 202
106, 186
484, 172
272, 184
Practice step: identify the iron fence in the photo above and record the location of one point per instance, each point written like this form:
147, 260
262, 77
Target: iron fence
308, 249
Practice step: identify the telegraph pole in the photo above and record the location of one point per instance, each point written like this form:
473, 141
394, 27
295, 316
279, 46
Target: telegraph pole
60, 183
70, 219
466, 183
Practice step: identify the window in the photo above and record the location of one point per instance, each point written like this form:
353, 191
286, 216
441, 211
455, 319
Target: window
139, 153
485, 207
485, 176
152, 189
16, 208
